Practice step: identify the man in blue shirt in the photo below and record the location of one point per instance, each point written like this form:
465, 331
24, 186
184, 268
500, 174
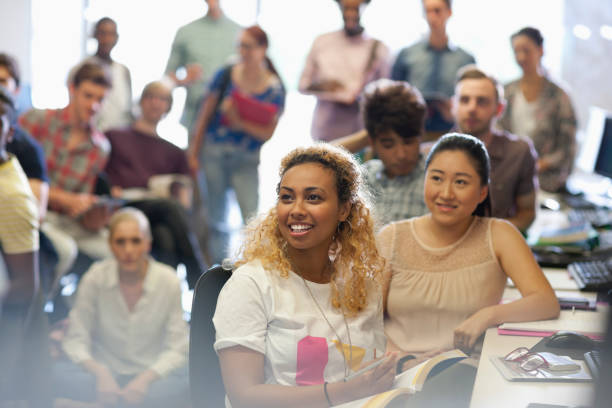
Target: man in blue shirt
432, 64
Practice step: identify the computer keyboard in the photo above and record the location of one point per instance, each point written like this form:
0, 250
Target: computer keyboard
598, 217
593, 361
594, 276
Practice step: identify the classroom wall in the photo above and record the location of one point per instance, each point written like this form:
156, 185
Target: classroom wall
586, 62
15, 32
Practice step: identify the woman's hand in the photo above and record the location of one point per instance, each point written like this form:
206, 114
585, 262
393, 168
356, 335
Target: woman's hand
134, 392
107, 388
419, 358
374, 381
231, 114
466, 334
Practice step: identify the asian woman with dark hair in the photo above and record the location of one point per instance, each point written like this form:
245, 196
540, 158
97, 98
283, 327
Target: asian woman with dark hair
446, 271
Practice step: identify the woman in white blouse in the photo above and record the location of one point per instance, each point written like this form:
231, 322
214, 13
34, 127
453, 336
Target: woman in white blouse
127, 340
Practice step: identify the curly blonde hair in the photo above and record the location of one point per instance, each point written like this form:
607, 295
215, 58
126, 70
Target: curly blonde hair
358, 262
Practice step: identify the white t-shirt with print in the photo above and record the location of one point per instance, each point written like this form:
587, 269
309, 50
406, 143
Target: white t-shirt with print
277, 317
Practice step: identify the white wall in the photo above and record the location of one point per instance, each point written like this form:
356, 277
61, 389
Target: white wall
15, 32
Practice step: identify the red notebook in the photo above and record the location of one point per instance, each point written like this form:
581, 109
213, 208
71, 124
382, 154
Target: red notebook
252, 110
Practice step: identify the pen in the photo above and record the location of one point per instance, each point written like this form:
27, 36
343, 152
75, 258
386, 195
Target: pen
363, 370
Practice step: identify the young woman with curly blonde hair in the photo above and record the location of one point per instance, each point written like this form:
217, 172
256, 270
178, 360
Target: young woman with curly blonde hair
303, 310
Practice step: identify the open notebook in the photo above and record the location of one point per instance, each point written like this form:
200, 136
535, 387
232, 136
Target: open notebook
408, 382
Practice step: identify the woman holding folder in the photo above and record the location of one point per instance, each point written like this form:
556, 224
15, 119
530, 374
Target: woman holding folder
303, 311
238, 116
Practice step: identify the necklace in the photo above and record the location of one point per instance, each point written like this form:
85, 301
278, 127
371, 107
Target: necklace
348, 332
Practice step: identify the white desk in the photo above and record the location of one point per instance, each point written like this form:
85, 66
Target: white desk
492, 390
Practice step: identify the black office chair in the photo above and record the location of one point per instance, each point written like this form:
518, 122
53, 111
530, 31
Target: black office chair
204, 372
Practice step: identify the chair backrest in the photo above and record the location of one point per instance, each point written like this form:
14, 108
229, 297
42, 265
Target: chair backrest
204, 372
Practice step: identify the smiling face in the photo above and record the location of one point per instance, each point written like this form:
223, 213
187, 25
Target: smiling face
308, 208
453, 188
130, 246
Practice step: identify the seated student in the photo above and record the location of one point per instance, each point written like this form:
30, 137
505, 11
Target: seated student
394, 116
477, 103
32, 160
23, 347
75, 152
126, 339
304, 309
130, 174
447, 270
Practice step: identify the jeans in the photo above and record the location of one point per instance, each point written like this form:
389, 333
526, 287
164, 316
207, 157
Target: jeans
25, 363
228, 166
73, 382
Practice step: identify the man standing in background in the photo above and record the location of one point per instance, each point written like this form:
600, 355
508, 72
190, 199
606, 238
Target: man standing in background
432, 64
117, 108
337, 68
200, 48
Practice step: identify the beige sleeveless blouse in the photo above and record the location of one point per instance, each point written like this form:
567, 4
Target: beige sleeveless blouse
433, 290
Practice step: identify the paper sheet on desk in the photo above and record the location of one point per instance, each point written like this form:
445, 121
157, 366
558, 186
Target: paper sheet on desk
559, 279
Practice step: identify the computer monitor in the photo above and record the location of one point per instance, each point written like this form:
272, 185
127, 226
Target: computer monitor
603, 161
594, 163
597, 144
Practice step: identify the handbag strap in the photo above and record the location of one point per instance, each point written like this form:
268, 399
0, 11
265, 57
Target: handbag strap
226, 77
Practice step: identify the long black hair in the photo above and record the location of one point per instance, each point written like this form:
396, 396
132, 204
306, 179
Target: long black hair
478, 156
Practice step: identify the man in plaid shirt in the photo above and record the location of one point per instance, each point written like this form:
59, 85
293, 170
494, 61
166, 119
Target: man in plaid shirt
75, 152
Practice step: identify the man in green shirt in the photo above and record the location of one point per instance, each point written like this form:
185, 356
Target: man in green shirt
200, 48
